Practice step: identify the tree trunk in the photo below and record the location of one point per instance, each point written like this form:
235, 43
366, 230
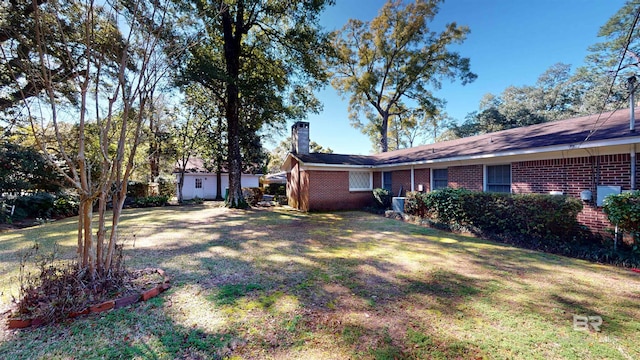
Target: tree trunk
232, 45
219, 184
384, 146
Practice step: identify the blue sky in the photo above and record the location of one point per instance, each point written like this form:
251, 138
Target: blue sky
511, 42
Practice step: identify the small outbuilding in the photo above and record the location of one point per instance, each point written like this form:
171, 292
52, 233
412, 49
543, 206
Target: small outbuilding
202, 183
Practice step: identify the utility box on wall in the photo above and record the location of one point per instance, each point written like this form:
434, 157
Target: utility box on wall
604, 191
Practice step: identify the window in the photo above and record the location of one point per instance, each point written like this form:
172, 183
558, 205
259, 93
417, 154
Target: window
360, 181
440, 179
386, 180
499, 178
198, 183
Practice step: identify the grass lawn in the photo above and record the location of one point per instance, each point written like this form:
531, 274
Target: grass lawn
349, 285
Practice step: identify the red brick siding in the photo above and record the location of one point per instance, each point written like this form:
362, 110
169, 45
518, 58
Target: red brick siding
298, 187
377, 179
422, 176
329, 190
573, 175
469, 177
400, 180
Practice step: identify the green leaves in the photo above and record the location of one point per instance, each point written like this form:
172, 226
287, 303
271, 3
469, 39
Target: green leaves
395, 56
623, 210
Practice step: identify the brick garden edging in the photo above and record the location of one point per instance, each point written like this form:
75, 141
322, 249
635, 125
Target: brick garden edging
18, 323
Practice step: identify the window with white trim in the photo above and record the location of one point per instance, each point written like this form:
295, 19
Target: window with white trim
198, 183
440, 179
386, 180
360, 181
498, 178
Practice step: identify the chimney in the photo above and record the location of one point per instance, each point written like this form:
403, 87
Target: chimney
300, 138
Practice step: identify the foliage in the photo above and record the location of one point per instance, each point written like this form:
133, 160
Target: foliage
57, 290
265, 56
623, 210
279, 153
554, 97
535, 221
166, 185
382, 197
252, 195
25, 169
275, 189
137, 189
150, 201
395, 56
41, 205
533, 215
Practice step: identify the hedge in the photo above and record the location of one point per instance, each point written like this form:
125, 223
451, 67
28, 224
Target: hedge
535, 215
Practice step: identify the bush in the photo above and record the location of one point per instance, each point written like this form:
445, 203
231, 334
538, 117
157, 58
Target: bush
252, 195
150, 201
38, 205
166, 185
65, 205
623, 210
533, 215
535, 221
275, 189
136, 189
382, 197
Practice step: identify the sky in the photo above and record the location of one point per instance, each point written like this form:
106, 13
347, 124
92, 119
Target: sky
511, 42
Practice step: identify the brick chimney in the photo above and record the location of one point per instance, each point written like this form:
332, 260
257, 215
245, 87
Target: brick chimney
300, 138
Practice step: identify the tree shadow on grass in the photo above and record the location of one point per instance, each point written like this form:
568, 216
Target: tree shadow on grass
350, 283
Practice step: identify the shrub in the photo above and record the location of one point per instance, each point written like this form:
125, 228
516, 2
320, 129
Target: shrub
65, 205
382, 197
276, 189
150, 201
252, 195
136, 189
35, 205
166, 185
623, 210
533, 215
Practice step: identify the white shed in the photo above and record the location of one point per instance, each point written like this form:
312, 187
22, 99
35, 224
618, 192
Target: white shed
202, 184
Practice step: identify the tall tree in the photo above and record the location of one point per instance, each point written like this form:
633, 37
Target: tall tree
395, 56
116, 43
273, 45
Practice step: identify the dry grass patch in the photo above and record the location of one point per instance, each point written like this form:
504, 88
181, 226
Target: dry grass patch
282, 284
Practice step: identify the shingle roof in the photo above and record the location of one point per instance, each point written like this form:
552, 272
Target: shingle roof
583, 130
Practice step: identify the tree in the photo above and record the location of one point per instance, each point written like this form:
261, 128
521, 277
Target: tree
278, 154
25, 169
269, 45
553, 97
116, 44
395, 56
602, 83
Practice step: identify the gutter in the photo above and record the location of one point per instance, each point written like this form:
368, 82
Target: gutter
557, 148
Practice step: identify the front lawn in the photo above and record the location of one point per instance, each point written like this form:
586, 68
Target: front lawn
349, 285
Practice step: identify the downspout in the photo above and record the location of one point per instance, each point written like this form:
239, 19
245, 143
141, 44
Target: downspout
413, 180
632, 128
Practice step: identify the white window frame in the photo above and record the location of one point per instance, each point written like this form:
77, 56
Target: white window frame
369, 173
486, 177
433, 180
196, 183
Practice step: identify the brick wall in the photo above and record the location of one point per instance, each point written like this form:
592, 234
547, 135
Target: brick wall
422, 176
400, 180
573, 175
298, 187
469, 177
329, 190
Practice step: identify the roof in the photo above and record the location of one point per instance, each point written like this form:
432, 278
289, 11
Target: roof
584, 131
197, 165
277, 178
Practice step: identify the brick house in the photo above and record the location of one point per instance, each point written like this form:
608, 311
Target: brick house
586, 157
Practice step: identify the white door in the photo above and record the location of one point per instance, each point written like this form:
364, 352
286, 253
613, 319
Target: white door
198, 188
